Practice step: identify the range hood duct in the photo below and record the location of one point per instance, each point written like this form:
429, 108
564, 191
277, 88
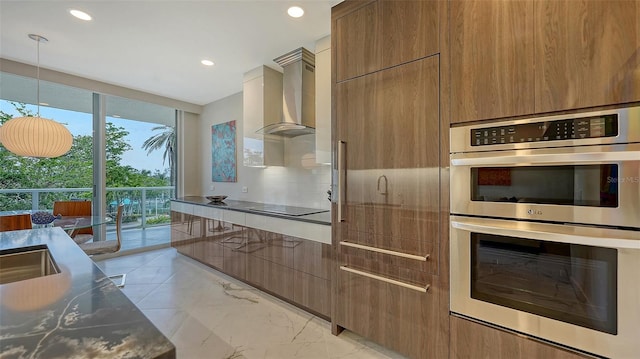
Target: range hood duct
298, 95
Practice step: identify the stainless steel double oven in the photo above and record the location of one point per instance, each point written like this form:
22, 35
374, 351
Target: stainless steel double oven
545, 228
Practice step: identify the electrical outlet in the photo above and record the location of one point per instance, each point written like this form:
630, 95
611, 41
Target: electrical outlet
245, 189
212, 187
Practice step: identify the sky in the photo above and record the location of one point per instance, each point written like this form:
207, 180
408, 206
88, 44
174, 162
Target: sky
80, 123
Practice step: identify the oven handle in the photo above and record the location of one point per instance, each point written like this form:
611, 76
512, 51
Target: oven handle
558, 158
599, 237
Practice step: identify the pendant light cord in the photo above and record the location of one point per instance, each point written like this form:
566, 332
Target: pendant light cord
38, 39
38, 77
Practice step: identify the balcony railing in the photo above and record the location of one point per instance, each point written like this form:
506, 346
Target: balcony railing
141, 203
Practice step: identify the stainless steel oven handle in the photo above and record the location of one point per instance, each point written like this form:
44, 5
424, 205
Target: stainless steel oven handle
557, 158
591, 236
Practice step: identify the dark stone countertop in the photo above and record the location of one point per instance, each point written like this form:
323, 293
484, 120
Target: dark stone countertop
321, 216
77, 313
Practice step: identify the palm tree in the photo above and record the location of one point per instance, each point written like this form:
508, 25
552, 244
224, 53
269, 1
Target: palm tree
165, 139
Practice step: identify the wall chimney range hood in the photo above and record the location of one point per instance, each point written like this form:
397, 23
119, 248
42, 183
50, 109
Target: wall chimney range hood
299, 93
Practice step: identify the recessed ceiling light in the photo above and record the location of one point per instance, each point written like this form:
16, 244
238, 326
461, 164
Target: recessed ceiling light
295, 11
43, 104
207, 62
80, 14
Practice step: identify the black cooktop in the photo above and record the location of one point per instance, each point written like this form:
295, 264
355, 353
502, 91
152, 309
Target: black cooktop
269, 208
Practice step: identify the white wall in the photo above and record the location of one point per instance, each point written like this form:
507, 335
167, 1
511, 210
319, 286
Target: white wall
189, 155
301, 182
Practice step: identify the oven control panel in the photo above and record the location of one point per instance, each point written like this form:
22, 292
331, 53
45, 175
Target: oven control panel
557, 130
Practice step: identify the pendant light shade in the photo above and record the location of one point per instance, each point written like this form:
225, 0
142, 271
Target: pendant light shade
33, 136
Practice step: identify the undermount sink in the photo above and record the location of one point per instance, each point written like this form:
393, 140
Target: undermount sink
26, 263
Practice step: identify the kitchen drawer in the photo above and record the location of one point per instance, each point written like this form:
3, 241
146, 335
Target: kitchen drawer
313, 258
313, 293
394, 316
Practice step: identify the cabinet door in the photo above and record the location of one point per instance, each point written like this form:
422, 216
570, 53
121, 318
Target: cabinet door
385, 33
389, 121
587, 53
492, 63
409, 30
356, 39
394, 316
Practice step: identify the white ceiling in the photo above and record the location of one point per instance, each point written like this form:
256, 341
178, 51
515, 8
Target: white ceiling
156, 46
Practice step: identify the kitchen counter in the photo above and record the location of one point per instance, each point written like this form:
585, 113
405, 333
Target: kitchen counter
317, 216
77, 313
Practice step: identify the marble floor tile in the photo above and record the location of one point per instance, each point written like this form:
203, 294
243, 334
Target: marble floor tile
209, 315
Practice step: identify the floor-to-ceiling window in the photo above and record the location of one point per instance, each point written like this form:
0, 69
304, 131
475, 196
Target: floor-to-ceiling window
138, 156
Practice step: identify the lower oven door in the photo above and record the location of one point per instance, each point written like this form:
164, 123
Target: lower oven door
573, 285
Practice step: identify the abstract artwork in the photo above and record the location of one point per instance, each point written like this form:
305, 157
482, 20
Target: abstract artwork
223, 152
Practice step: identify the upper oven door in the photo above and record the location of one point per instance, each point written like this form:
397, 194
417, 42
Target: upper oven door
585, 184
573, 285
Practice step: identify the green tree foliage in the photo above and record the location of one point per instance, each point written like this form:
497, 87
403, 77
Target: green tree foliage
72, 170
165, 139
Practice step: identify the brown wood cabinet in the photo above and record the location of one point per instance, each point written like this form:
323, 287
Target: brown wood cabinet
491, 59
515, 58
381, 34
470, 340
291, 268
587, 54
387, 132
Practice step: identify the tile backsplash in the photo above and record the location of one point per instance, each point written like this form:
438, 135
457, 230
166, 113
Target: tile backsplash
301, 182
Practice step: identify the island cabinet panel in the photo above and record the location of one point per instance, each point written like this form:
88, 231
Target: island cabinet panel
587, 53
471, 340
382, 34
492, 59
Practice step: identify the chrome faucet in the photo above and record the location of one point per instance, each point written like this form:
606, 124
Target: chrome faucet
384, 190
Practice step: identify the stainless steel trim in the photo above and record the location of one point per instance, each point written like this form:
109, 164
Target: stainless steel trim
628, 132
555, 158
591, 236
385, 251
342, 149
388, 280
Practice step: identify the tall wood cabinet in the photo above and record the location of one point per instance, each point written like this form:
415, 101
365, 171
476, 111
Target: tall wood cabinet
382, 34
492, 62
386, 131
587, 53
515, 58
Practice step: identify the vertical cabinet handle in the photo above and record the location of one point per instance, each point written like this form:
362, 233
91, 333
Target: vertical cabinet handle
342, 174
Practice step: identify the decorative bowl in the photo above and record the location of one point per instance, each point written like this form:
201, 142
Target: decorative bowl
219, 198
42, 217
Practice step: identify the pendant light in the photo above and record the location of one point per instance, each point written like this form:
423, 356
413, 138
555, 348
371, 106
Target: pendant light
35, 136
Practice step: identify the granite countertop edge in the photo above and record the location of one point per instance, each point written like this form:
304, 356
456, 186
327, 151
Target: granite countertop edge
78, 312
322, 218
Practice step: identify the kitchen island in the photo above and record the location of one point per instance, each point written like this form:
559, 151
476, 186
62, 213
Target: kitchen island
75, 313
282, 250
